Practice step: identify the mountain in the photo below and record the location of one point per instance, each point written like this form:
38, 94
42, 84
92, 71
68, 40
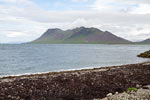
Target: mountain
79, 35
146, 41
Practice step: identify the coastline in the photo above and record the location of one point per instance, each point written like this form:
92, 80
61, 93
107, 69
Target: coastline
85, 84
55, 72
67, 70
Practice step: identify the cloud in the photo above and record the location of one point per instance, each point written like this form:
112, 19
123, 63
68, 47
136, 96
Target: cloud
112, 5
15, 34
131, 6
25, 20
142, 9
79, 1
14, 1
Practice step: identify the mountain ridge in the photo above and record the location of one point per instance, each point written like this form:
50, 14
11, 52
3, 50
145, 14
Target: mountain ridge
79, 35
146, 41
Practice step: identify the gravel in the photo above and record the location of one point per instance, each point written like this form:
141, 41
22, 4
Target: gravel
141, 94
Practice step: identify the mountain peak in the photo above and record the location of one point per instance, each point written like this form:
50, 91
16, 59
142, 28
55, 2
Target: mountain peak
107, 32
146, 41
53, 30
79, 28
91, 29
82, 27
79, 35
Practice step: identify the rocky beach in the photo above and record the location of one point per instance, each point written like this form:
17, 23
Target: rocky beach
139, 93
86, 84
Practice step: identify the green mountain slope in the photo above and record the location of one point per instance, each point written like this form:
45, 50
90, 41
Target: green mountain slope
79, 35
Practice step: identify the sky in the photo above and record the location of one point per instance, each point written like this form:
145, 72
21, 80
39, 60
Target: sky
26, 20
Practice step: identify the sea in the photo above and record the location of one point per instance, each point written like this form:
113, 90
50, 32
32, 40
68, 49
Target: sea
20, 59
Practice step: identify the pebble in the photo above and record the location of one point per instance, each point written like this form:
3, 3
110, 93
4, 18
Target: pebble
140, 94
109, 94
116, 93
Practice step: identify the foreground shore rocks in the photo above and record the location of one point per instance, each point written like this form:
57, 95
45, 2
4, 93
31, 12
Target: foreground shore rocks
140, 94
145, 54
75, 85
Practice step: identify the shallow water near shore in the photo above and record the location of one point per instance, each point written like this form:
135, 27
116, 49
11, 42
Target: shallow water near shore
36, 58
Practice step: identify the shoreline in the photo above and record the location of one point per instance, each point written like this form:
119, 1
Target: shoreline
84, 69
85, 84
67, 70
54, 71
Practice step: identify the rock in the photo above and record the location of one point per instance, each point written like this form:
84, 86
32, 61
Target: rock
116, 93
145, 54
109, 94
146, 87
138, 86
140, 94
104, 99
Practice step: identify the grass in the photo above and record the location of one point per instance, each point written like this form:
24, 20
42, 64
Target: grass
131, 90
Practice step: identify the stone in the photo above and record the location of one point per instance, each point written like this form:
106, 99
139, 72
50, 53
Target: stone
109, 94
138, 86
104, 99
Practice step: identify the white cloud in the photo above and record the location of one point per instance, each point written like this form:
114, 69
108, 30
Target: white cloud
79, 1
142, 9
14, 1
111, 5
26, 21
133, 6
15, 34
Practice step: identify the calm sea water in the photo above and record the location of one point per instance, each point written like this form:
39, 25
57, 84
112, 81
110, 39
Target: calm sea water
36, 58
